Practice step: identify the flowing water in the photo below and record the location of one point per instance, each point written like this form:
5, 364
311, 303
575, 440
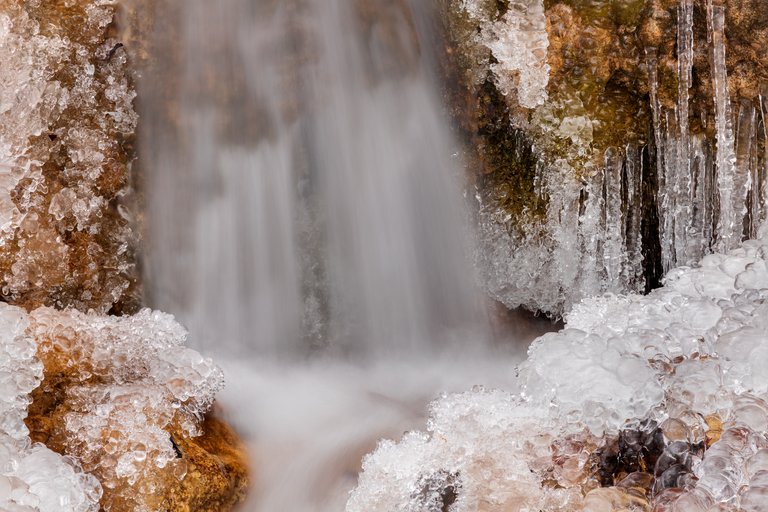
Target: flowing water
306, 223
306, 193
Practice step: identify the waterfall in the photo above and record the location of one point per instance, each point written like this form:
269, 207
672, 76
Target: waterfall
301, 181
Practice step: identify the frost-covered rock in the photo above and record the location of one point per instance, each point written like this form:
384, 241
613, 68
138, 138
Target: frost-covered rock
121, 402
656, 402
66, 131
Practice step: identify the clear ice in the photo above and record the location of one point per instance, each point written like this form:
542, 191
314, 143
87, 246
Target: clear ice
518, 42
643, 403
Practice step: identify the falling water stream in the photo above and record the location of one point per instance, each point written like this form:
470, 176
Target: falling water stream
306, 224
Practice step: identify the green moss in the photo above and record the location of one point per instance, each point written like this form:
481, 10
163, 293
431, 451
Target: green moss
605, 12
627, 12
622, 116
509, 158
593, 12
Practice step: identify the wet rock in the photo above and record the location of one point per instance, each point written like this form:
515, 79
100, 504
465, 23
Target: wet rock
217, 477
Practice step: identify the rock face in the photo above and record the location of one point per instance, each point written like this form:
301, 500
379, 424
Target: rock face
66, 136
614, 140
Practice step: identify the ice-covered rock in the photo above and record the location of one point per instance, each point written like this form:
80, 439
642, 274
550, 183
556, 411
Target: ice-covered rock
32, 477
103, 413
612, 141
66, 130
656, 402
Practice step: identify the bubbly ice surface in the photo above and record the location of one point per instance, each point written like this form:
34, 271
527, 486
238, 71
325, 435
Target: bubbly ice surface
128, 382
32, 477
518, 42
654, 402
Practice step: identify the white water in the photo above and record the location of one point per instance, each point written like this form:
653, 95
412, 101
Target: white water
306, 224
307, 195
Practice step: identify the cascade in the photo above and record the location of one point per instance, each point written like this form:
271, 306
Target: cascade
317, 204
306, 223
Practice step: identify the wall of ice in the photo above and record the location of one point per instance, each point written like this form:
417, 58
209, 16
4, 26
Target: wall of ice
66, 123
656, 402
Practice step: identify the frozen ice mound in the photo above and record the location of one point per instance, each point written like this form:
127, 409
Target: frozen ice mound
109, 392
646, 403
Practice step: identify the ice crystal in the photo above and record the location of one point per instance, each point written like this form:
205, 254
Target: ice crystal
651, 402
32, 477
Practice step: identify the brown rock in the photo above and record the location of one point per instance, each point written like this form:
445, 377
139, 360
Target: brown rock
218, 473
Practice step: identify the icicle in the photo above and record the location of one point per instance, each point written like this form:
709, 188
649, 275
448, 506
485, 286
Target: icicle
729, 225
681, 188
669, 194
592, 276
614, 254
633, 172
760, 187
662, 157
700, 232
563, 190
539, 177
742, 179
653, 78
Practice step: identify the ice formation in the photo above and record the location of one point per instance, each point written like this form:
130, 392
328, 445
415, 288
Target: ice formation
66, 120
518, 42
643, 403
109, 393
32, 477
696, 183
